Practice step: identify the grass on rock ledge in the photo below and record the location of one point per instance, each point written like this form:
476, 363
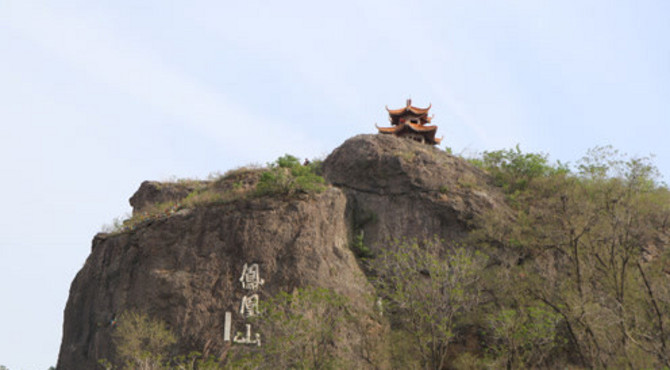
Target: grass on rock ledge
285, 178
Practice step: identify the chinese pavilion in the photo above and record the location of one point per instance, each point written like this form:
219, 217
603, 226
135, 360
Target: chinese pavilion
411, 122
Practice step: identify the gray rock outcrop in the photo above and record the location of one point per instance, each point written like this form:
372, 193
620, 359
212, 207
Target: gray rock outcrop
398, 188
184, 268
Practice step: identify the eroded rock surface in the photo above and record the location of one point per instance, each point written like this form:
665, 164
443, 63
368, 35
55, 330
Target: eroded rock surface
184, 270
154, 192
398, 188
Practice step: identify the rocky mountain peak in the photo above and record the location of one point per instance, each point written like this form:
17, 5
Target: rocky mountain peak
183, 266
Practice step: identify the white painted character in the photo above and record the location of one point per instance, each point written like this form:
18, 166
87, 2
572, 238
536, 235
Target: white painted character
249, 306
247, 338
250, 278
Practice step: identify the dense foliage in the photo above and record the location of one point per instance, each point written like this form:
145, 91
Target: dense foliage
145, 343
579, 273
427, 291
575, 275
304, 324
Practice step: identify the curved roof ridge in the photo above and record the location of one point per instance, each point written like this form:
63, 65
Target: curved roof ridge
409, 108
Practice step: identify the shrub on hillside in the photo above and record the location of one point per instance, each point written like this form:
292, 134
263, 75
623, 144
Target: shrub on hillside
513, 170
286, 176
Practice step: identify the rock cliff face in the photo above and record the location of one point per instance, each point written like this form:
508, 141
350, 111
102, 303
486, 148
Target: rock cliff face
398, 188
184, 268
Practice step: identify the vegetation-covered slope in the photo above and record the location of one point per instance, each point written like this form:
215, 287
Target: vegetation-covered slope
584, 277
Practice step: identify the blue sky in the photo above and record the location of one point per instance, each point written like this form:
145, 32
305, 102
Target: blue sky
97, 96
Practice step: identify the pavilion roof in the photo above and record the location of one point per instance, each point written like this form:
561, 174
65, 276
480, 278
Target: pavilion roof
409, 108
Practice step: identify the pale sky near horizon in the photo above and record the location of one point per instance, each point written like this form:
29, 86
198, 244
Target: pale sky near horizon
97, 96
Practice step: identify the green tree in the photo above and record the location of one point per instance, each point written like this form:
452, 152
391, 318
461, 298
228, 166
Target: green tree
586, 243
286, 176
525, 336
303, 326
514, 170
427, 288
142, 342
145, 343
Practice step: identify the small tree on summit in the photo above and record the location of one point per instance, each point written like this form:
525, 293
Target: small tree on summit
288, 177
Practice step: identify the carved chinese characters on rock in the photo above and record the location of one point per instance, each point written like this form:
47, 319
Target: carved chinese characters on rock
246, 338
251, 281
249, 306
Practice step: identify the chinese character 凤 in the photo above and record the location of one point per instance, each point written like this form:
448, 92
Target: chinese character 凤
250, 278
